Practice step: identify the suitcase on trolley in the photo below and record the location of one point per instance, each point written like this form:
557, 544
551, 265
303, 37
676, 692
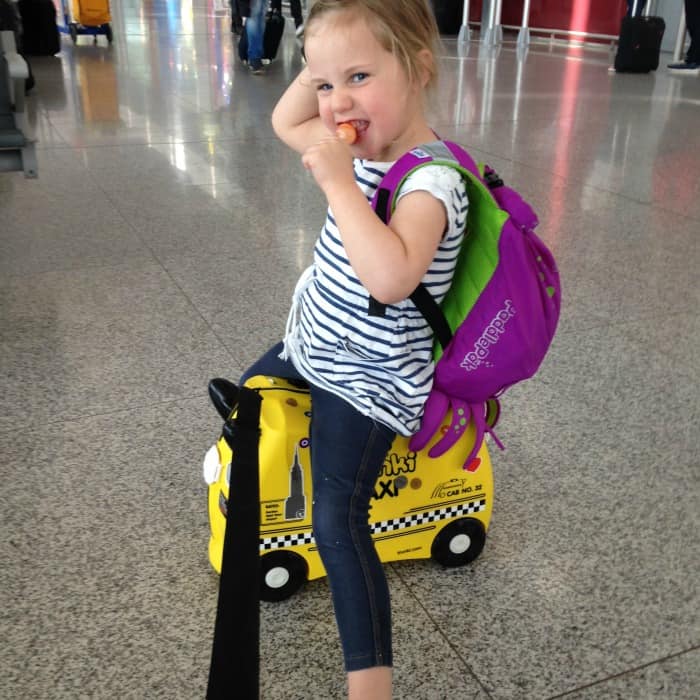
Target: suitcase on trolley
639, 46
91, 13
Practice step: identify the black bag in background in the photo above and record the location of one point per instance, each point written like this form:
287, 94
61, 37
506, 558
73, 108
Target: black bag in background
272, 36
274, 29
639, 46
40, 34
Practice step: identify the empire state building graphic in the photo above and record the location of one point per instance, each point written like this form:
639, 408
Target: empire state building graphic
295, 504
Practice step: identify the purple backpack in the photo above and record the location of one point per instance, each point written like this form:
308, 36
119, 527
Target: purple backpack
498, 319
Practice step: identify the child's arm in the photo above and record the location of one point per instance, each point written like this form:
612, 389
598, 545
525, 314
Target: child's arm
295, 117
391, 260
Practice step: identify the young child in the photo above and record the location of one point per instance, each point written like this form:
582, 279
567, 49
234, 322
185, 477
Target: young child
369, 63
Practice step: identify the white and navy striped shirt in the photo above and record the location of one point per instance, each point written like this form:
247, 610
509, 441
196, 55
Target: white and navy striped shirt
383, 366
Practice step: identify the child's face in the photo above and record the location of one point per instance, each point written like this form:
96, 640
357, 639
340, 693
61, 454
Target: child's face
357, 80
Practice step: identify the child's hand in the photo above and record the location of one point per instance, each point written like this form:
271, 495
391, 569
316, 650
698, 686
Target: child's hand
330, 162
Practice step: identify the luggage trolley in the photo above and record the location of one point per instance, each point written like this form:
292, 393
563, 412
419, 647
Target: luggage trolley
87, 17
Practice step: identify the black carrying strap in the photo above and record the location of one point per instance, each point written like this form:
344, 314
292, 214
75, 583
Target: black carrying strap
235, 659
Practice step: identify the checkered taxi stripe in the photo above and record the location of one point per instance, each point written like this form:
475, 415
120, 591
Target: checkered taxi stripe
299, 538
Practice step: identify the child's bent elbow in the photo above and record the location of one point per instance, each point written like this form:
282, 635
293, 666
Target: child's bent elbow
277, 124
389, 294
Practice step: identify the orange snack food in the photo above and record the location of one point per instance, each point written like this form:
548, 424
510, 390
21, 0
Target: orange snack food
346, 132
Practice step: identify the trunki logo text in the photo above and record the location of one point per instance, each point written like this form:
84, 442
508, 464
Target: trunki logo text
491, 335
396, 464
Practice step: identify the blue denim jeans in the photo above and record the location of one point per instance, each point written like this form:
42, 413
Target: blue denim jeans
347, 454
254, 28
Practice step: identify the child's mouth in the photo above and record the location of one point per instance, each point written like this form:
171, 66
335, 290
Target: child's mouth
351, 130
360, 126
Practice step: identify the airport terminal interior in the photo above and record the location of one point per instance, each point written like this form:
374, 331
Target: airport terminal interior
159, 247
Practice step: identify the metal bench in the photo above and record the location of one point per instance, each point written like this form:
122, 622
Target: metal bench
17, 149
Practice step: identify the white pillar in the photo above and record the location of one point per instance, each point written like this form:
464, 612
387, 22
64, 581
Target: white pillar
464, 32
498, 29
524, 33
488, 35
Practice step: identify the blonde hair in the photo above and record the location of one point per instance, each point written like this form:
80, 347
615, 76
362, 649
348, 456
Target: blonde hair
402, 27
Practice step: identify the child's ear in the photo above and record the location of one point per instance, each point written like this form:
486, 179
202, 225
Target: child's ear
426, 61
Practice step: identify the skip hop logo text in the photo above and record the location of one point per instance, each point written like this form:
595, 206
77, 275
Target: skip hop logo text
491, 335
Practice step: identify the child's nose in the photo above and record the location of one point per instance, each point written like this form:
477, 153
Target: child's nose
341, 101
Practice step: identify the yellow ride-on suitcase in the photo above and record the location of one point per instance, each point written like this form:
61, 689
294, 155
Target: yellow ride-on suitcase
422, 507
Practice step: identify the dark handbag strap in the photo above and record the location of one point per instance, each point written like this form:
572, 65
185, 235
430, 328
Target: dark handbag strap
235, 659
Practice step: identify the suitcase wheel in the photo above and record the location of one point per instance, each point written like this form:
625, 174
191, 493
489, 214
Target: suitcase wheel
281, 575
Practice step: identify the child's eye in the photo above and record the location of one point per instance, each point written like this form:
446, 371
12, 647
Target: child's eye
324, 87
359, 77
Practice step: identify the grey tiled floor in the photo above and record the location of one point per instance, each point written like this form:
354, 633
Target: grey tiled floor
159, 248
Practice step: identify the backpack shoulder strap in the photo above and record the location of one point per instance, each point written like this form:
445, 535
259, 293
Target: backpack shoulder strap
436, 153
